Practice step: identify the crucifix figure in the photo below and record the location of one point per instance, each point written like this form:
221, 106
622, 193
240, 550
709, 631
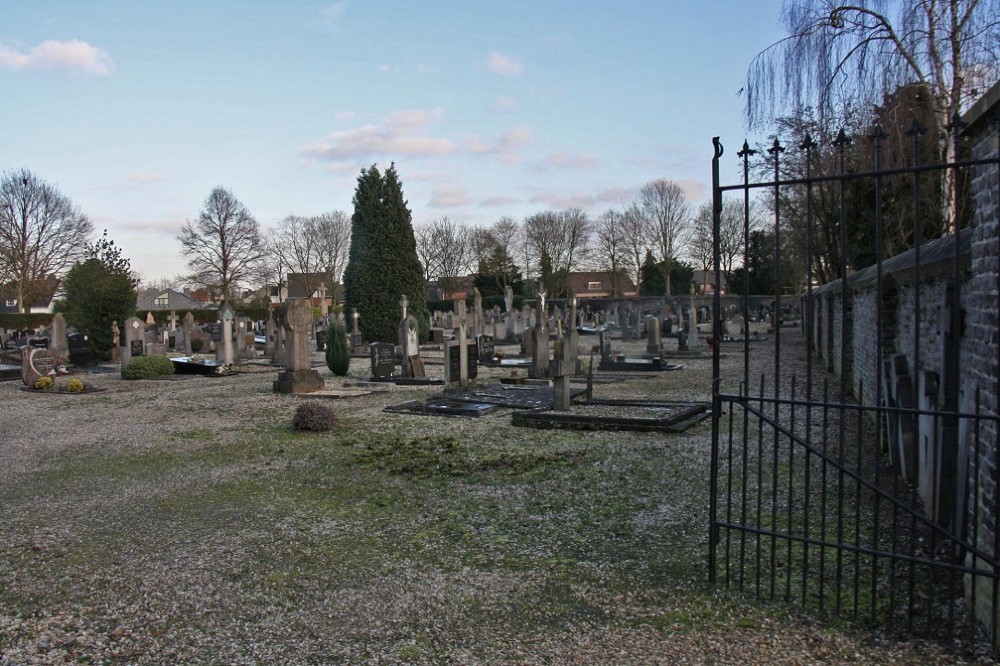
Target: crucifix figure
542, 312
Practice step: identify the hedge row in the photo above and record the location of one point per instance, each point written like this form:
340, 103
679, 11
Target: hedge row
488, 303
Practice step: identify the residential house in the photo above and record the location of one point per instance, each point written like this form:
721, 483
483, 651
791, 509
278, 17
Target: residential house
598, 284
42, 303
312, 286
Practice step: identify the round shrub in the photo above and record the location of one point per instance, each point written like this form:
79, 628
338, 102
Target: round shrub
314, 417
197, 344
144, 367
338, 356
74, 385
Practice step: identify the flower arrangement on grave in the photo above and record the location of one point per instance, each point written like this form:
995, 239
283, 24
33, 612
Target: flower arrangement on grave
71, 385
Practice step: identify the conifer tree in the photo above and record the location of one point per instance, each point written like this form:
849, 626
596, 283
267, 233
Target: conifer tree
383, 263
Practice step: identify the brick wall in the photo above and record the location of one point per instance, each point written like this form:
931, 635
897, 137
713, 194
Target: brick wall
981, 341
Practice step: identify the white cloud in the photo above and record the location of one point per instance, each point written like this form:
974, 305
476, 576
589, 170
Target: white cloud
584, 200
504, 105
333, 14
504, 65
345, 116
73, 56
400, 133
565, 161
449, 197
489, 202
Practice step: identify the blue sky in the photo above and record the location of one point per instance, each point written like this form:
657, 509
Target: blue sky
136, 110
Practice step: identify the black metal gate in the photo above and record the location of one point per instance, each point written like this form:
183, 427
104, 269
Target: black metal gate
853, 476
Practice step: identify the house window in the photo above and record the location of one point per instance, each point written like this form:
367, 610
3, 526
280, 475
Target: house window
161, 301
593, 286
11, 302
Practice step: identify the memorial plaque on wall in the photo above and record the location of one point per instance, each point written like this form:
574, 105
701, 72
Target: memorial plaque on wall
136, 347
454, 362
473, 361
383, 359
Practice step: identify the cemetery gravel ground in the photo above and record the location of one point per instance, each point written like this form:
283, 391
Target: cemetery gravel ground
183, 521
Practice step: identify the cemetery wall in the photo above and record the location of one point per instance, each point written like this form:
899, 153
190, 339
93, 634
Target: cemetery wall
981, 367
916, 326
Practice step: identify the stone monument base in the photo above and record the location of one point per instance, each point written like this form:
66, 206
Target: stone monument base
298, 381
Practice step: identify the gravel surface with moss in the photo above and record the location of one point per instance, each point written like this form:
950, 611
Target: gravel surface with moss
185, 521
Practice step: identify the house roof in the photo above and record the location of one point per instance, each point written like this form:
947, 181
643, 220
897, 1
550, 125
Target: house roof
304, 285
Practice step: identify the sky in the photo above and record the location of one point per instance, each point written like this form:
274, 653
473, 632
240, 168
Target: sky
137, 110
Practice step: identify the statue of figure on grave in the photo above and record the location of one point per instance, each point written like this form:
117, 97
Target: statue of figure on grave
116, 335
508, 298
542, 310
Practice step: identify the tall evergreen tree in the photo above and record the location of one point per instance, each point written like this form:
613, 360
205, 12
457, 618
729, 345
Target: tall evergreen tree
383, 263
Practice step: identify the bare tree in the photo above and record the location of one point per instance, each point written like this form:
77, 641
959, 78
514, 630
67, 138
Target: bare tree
453, 250
332, 233
560, 239
224, 245
666, 211
701, 246
42, 234
636, 236
858, 53
610, 249
426, 252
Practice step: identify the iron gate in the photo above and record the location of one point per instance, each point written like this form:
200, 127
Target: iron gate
858, 476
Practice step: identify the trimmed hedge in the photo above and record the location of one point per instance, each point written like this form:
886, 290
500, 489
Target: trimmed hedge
144, 367
338, 355
14, 320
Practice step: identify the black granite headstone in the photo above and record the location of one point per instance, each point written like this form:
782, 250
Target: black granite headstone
454, 362
136, 347
473, 361
383, 357
487, 347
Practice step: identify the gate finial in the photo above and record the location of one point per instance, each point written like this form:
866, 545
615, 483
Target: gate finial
718, 147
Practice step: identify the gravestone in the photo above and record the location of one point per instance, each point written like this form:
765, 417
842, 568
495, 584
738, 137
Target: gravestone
383, 357
116, 341
224, 351
564, 364
173, 320
508, 299
36, 362
239, 337
270, 334
477, 312
299, 377
58, 344
188, 326
413, 365
653, 342
472, 360
452, 363
280, 349
540, 342
486, 347
134, 343
357, 342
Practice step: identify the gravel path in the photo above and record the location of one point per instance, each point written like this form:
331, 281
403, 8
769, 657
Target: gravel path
182, 521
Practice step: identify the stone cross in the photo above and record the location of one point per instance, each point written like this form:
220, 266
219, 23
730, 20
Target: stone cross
299, 377
563, 365
540, 342
173, 320
403, 302
508, 298
354, 322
